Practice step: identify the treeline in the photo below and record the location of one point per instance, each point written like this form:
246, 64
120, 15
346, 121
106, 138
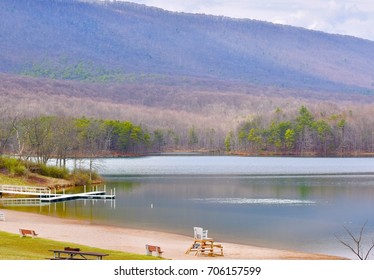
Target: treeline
303, 133
46, 137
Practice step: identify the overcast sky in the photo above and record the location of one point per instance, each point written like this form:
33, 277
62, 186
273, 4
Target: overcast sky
345, 17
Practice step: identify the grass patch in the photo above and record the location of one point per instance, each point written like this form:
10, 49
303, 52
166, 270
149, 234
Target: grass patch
25, 173
13, 247
7, 180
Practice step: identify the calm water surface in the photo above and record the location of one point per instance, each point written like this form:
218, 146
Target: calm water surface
291, 203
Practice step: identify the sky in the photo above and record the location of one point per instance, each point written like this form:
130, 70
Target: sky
355, 18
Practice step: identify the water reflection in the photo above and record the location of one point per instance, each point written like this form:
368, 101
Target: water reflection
263, 201
302, 212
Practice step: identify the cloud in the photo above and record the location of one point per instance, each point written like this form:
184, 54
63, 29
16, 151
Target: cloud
341, 17
345, 17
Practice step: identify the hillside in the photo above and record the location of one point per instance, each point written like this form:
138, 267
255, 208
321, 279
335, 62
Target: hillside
125, 42
92, 79
175, 73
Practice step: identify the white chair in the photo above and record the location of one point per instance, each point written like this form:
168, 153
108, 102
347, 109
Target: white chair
2, 216
200, 233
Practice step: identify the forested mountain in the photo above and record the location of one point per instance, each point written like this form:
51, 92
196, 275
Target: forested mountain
69, 39
127, 78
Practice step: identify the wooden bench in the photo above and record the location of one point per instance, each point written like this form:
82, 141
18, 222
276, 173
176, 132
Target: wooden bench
151, 248
2, 216
27, 232
72, 249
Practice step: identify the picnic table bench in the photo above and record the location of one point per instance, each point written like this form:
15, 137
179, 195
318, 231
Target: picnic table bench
27, 232
204, 245
76, 254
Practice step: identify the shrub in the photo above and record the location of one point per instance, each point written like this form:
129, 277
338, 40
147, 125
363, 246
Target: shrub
53, 171
13, 166
20, 170
95, 176
82, 177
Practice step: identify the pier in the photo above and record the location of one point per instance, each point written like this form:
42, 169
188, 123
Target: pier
45, 196
24, 190
86, 195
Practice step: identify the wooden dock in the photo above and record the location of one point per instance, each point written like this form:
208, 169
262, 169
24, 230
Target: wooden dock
24, 190
44, 194
87, 195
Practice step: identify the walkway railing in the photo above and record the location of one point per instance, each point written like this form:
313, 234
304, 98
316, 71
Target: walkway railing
24, 190
46, 196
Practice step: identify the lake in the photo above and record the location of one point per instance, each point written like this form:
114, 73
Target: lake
290, 203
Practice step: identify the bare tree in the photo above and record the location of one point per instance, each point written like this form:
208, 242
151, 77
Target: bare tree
8, 121
357, 246
65, 139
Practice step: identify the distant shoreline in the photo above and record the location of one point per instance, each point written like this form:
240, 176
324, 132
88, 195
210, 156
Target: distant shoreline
219, 153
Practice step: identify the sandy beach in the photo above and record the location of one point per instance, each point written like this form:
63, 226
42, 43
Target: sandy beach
134, 240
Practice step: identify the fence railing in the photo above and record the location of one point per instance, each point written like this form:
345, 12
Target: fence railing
24, 189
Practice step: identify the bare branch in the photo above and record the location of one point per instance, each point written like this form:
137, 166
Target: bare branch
350, 247
357, 242
371, 247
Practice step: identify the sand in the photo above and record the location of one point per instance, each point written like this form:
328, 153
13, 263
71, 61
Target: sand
133, 240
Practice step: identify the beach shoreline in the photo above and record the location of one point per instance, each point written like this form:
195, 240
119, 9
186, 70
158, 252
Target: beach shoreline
130, 240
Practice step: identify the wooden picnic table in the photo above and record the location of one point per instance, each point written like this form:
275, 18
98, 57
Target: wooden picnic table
205, 246
76, 255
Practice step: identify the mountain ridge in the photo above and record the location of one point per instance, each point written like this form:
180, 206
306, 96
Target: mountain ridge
124, 38
174, 72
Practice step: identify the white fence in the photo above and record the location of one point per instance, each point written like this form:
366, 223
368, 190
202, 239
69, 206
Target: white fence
24, 190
